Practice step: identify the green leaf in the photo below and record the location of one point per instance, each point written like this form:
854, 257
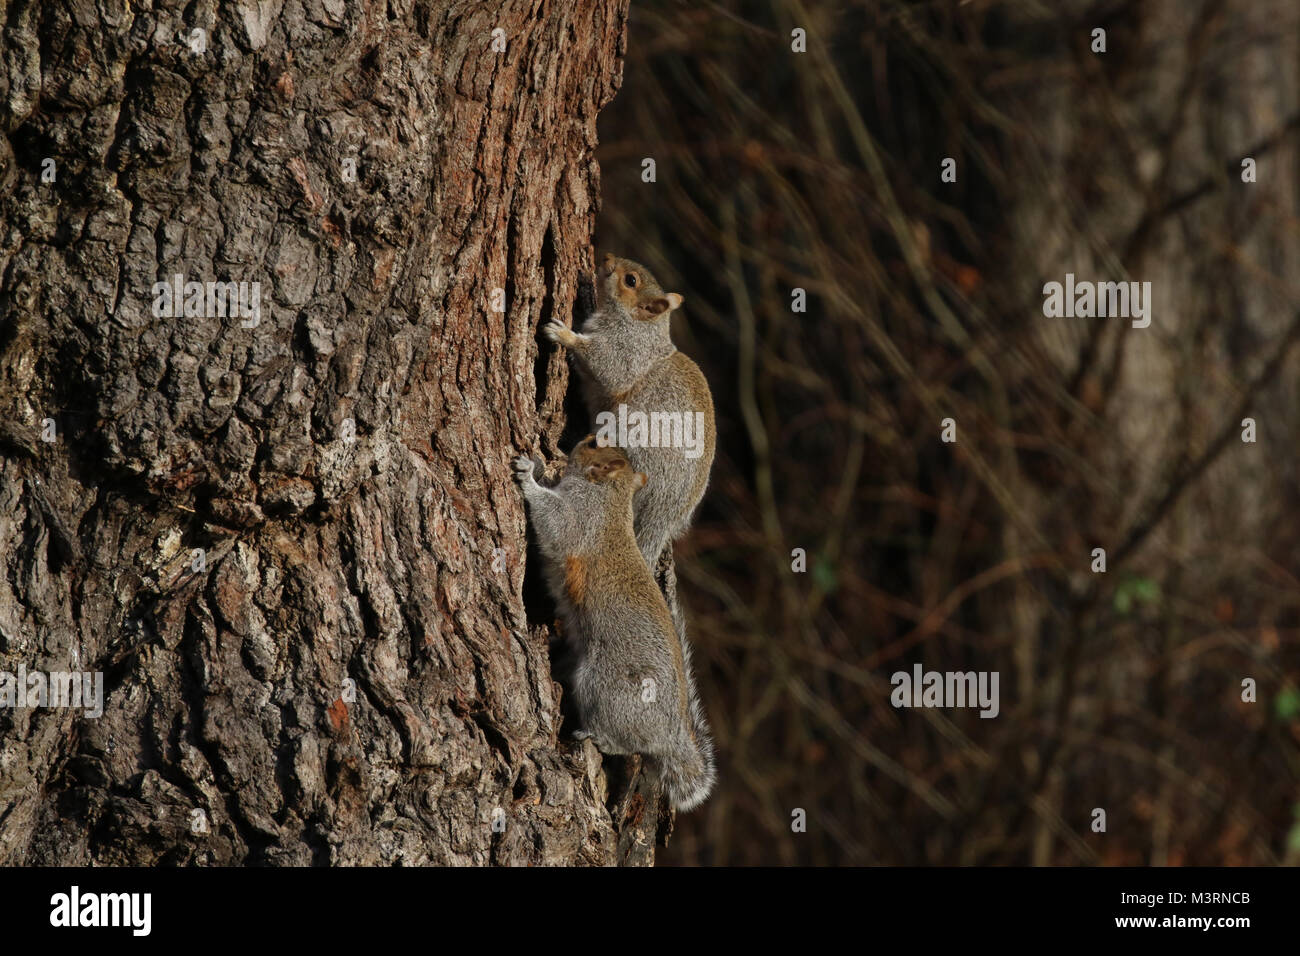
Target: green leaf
1287, 705
1146, 590
823, 573
1134, 590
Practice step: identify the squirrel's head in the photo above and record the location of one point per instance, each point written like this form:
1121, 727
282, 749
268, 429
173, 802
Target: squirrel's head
631, 285
604, 465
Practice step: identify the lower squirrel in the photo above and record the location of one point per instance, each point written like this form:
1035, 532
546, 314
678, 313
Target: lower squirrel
631, 677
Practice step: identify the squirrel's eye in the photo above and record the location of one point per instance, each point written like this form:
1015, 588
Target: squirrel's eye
629, 280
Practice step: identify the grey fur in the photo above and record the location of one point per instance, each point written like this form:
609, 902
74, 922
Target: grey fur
631, 680
627, 357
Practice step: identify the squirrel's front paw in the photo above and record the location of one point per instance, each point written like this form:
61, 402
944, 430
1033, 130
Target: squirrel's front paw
524, 470
559, 332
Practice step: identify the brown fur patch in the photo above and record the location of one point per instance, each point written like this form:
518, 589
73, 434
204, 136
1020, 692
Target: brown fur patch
600, 464
338, 714
575, 579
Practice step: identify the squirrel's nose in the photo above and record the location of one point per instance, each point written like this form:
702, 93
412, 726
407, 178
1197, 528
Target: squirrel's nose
609, 259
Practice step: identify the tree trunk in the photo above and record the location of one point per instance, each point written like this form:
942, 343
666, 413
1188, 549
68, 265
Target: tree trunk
291, 541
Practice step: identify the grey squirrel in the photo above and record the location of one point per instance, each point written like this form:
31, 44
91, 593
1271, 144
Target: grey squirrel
626, 357
631, 679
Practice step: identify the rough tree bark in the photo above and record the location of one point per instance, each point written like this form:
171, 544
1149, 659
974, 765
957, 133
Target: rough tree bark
347, 673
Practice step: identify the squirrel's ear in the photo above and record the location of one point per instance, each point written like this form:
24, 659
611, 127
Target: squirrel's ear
643, 479
665, 303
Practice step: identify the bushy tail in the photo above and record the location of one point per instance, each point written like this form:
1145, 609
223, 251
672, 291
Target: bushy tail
689, 778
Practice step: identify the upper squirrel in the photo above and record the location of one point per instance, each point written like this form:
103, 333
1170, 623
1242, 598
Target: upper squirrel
626, 358
631, 679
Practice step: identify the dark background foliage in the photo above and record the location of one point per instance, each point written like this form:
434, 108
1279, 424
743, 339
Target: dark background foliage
821, 171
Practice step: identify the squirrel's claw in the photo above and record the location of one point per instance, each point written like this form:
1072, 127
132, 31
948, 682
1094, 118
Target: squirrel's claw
524, 469
558, 332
